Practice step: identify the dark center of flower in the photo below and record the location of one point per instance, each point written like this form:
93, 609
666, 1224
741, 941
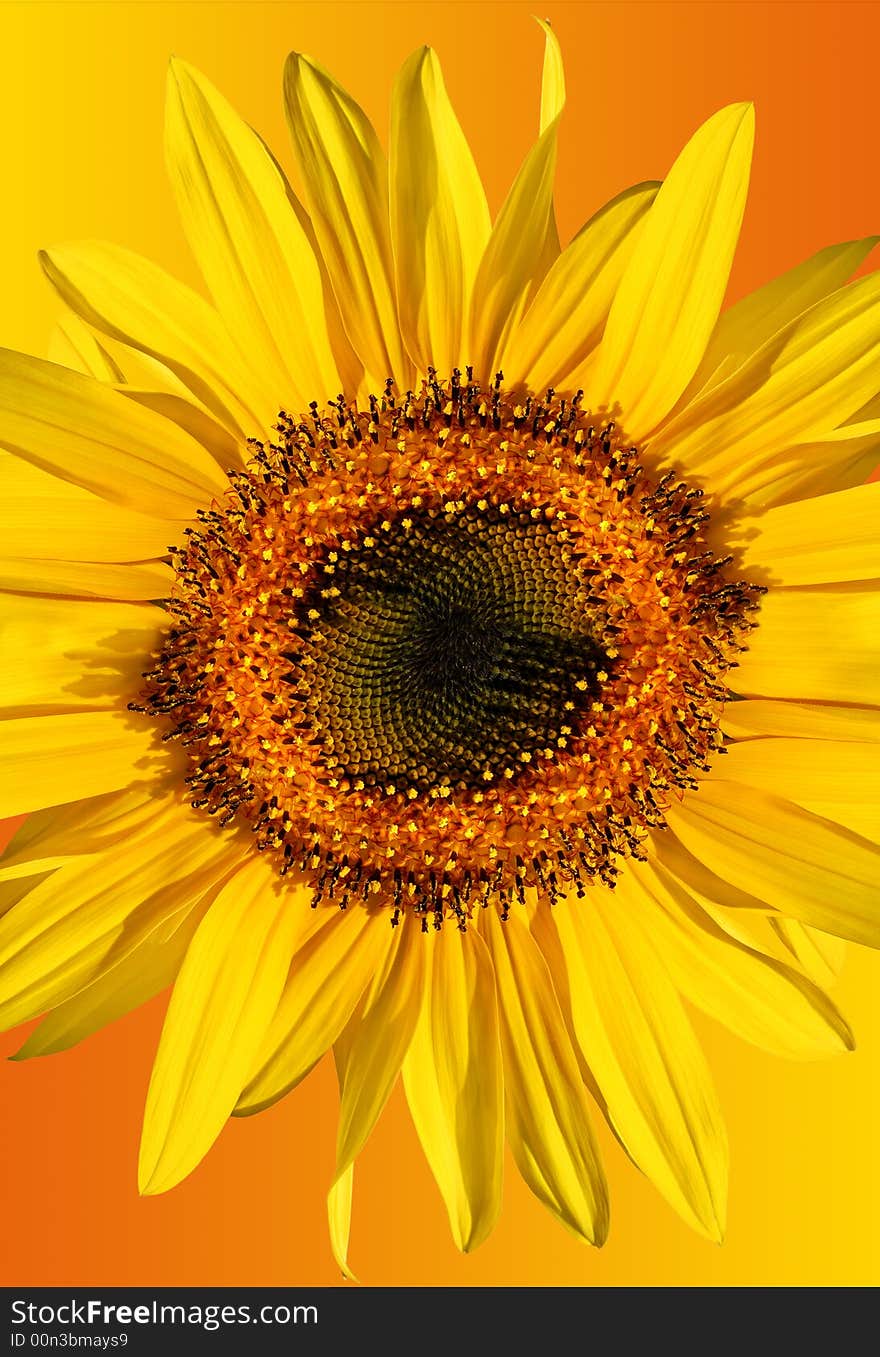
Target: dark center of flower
442, 651
451, 653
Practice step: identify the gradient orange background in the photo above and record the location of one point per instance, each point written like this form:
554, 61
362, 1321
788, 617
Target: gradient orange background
81, 95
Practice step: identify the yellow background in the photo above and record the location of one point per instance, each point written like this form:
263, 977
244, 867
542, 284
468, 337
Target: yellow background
81, 96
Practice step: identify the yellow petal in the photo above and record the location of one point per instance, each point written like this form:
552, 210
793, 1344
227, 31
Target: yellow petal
84, 432
137, 303
552, 78
339, 1218
842, 458
223, 1000
565, 321
796, 389
815, 645
371, 1048
801, 864
369, 1054
748, 324
82, 579
439, 216
671, 292
130, 981
47, 759
94, 910
15, 889
523, 243
203, 427
139, 369
758, 998
804, 771
70, 655
862, 818
824, 540
744, 720
548, 1125
640, 1049
73, 345
130, 368
453, 1081
837, 780
819, 955
43, 517
712, 891
346, 175
552, 107
48, 838
869, 411
331, 968
743, 917
251, 246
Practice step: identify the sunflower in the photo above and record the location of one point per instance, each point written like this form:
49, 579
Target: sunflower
443, 647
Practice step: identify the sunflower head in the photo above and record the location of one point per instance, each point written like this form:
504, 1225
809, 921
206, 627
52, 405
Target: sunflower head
449, 647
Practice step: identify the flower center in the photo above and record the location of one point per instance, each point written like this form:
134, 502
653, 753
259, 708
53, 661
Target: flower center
445, 650
450, 650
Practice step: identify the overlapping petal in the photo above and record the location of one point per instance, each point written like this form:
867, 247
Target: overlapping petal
799, 386
334, 961
748, 324
73, 345
369, 1054
48, 838
565, 321
47, 760
639, 1048
548, 1120
89, 913
84, 432
439, 217
801, 720
672, 289
524, 242
837, 780
251, 245
346, 176
223, 1000
806, 771
757, 997
86, 579
799, 863
454, 1085
127, 982
132, 300
825, 540
44, 518
72, 655
840, 459
819, 955
789, 654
